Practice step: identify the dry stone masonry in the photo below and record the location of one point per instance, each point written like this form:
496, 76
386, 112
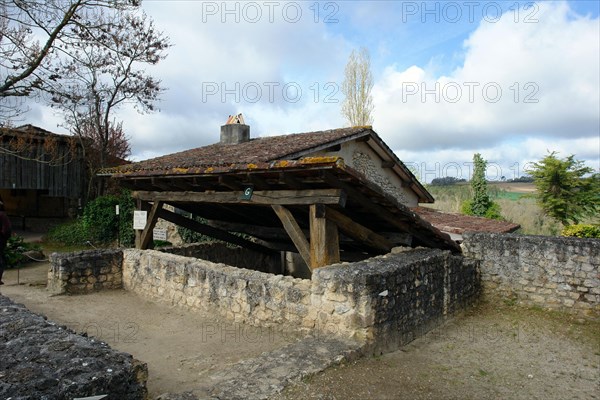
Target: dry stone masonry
384, 301
85, 271
41, 360
551, 272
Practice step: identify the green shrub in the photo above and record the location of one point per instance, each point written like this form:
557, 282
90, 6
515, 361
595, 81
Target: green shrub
582, 231
190, 236
15, 247
492, 212
99, 223
70, 233
126, 208
100, 220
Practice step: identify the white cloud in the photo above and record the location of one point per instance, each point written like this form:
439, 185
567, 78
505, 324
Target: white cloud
554, 61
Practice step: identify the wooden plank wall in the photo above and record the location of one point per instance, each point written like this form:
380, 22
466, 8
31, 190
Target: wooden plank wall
67, 179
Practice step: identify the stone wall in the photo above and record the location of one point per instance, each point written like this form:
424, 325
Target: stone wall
385, 301
241, 295
236, 256
392, 299
85, 271
552, 272
41, 360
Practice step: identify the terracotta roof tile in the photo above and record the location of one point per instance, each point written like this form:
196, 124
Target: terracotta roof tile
258, 150
458, 223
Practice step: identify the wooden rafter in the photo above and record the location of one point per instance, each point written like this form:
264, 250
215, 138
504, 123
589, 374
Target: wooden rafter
358, 232
147, 233
294, 231
397, 220
230, 182
210, 231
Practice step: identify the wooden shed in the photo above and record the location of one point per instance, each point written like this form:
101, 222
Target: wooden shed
327, 195
42, 174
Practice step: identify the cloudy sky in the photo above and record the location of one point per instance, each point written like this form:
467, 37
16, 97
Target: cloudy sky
510, 80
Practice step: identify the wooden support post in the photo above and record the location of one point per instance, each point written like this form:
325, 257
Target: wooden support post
146, 236
294, 231
138, 233
324, 239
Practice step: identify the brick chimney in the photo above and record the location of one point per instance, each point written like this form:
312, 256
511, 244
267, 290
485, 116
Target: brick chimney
235, 131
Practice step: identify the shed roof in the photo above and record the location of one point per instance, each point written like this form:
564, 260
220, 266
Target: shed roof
205, 181
218, 157
34, 132
256, 150
458, 223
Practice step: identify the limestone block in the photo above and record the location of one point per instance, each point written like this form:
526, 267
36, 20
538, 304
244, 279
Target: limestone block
342, 309
583, 305
337, 297
592, 298
538, 299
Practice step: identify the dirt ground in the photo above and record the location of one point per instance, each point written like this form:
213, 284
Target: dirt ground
182, 349
492, 351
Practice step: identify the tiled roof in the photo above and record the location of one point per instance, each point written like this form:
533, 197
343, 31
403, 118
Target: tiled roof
458, 223
258, 150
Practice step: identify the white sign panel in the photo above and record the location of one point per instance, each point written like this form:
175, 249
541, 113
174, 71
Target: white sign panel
159, 234
139, 219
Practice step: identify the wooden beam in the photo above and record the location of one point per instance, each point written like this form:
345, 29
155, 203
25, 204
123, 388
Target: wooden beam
324, 239
293, 229
147, 233
387, 164
210, 231
358, 232
268, 197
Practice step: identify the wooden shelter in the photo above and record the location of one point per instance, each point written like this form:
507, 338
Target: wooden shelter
325, 195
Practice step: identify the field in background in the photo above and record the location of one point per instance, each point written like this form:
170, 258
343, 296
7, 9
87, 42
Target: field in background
514, 199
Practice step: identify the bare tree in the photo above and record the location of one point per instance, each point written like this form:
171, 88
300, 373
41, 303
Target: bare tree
34, 34
358, 104
105, 72
113, 148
